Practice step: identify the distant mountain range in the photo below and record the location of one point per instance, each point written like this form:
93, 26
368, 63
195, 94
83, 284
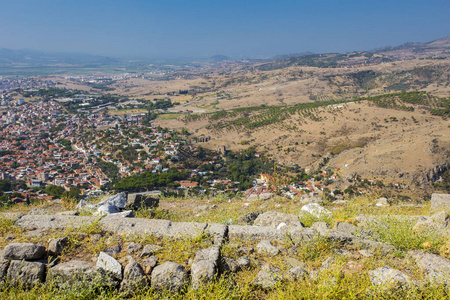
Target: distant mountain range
436, 48
10, 57
439, 48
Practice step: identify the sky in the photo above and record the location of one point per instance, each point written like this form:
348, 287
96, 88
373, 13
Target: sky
203, 28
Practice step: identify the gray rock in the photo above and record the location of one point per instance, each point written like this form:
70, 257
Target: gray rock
85, 205
243, 262
365, 253
134, 278
56, 246
339, 202
369, 244
436, 267
26, 273
205, 266
135, 226
321, 227
133, 248
268, 277
316, 210
250, 217
345, 227
67, 213
39, 211
441, 219
110, 206
27, 251
211, 253
109, 264
336, 236
118, 200
14, 216
106, 209
252, 197
305, 199
253, 233
297, 273
202, 271
218, 231
150, 250
180, 229
4, 265
440, 202
229, 265
388, 277
72, 272
265, 196
299, 234
342, 252
293, 262
114, 250
34, 234
149, 263
265, 247
140, 201
168, 276
53, 222
382, 202
124, 214
274, 218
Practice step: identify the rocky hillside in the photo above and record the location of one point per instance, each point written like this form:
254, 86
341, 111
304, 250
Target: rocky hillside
323, 250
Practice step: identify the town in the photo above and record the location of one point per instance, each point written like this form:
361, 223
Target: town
54, 146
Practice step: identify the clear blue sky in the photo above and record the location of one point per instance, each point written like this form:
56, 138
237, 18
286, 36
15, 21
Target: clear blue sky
202, 28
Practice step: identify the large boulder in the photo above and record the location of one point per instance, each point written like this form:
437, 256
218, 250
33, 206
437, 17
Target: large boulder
27, 251
440, 202
26, 273
134, 278
168, 276
274, 219
109, 264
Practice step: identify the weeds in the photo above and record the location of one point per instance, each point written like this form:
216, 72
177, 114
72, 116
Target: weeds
400, 232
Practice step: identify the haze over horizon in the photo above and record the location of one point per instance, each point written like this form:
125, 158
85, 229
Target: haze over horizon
239, 29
